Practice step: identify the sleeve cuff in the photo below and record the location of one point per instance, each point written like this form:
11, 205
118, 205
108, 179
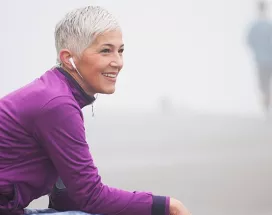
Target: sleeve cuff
167, 206
160, 205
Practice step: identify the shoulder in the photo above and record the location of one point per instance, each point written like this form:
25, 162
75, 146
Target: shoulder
46, 93
51, 87
56, 101
39, 92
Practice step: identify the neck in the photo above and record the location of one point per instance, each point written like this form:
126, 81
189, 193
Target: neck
80, 81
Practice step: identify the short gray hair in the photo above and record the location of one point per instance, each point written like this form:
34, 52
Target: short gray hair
79, 28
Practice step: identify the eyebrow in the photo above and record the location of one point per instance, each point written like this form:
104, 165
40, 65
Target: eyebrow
111, 45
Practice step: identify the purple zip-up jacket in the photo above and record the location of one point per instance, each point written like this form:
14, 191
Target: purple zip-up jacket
42, 137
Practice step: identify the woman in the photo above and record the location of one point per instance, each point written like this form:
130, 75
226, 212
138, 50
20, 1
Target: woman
42, 136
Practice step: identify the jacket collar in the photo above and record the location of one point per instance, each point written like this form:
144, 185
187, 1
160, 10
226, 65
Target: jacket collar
80, 95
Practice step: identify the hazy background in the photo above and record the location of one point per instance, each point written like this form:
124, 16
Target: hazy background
185, 120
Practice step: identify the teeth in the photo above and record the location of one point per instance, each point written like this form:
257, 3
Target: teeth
110, 75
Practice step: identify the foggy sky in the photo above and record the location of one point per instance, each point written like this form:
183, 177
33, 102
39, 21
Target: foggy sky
193, 52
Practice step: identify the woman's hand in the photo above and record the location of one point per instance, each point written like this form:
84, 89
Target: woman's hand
177, 208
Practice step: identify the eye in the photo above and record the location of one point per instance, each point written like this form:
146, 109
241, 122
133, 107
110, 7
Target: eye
105, 51
121, 51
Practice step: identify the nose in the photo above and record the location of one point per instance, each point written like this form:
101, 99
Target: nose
117, 61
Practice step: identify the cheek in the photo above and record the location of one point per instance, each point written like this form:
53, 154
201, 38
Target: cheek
92, 68
97, 69
121, 64
94, 73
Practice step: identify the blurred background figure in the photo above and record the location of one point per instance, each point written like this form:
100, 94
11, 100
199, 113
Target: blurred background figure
259, 40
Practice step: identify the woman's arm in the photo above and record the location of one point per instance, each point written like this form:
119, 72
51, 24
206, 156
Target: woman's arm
60, 130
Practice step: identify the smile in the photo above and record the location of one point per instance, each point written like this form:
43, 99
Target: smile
109, 75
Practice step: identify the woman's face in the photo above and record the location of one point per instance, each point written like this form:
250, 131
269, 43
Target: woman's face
101, 63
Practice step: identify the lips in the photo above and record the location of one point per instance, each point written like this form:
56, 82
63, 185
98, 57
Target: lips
110, 75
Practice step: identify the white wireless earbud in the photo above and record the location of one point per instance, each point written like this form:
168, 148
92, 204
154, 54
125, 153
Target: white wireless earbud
72, 62
74, 66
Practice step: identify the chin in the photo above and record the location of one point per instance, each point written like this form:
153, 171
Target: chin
108, 91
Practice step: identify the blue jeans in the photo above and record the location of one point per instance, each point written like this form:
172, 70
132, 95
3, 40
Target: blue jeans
52, 212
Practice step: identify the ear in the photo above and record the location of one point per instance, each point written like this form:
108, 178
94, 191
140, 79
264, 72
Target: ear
64, 56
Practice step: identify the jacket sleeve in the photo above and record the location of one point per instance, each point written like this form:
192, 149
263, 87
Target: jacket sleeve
59, 128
